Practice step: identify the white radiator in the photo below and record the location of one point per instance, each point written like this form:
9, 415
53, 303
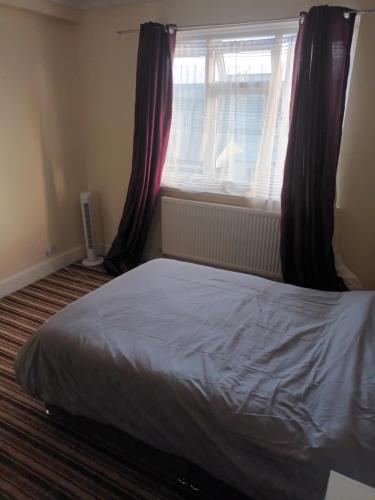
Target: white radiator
234, 237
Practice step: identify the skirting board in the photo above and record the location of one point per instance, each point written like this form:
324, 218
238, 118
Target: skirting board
103, 249
14, 283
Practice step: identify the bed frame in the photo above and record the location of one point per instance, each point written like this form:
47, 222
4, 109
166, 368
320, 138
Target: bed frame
193, 481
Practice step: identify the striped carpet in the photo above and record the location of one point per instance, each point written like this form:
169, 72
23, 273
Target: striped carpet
62, 457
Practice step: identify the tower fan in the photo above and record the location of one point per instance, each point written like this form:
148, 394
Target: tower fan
92, 258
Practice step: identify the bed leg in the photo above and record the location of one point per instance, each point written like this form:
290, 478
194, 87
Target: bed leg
48, 411
194, 488
186, 478
185, 482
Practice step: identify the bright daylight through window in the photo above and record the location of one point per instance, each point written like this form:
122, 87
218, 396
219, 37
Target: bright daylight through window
231, 110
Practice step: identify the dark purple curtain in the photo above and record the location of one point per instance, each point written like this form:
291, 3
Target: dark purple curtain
320, 76
153, 112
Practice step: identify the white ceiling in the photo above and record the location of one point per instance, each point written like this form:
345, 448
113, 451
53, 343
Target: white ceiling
90, 4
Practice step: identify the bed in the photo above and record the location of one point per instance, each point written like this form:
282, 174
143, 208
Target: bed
264, 385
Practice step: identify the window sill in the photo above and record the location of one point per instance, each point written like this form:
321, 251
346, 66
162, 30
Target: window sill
221, 199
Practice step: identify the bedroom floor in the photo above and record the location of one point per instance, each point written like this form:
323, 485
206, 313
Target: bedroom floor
59, 457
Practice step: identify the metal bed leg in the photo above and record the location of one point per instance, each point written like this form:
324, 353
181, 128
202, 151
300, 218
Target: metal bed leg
48, 411
186, 481
194, 488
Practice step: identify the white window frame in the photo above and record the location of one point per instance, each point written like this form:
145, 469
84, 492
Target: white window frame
214, 89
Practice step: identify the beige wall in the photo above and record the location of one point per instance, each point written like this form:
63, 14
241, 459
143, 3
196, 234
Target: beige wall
41, 170
67, 112
109, 64
356, 178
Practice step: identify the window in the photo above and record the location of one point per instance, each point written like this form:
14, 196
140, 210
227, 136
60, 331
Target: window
230, 111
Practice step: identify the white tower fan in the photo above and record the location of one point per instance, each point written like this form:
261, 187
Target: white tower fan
92, 258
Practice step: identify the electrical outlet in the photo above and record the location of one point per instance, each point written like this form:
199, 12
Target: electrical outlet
50, 249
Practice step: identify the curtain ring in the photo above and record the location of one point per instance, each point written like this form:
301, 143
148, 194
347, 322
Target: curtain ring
171, 28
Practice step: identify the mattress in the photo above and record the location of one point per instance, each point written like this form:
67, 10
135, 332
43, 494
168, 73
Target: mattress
266, 386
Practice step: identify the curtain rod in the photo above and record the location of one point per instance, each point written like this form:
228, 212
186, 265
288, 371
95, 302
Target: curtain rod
203, 26
186, 28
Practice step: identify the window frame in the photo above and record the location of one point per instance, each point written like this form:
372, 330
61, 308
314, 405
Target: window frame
213, 89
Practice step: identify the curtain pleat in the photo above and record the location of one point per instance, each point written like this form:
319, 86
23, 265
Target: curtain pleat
153, 112
321, 65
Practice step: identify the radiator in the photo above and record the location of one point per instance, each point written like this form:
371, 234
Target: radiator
233, 237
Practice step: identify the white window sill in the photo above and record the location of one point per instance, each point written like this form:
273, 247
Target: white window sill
222, 199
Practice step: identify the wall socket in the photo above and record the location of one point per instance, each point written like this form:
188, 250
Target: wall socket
50, 249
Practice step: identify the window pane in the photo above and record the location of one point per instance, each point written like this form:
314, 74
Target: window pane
189, 70
188, 115
230, 112
230, 66
238, 134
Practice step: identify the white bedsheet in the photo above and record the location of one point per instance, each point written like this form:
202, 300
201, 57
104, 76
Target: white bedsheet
265, 385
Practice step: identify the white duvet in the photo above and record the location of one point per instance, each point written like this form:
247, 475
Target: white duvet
265, 385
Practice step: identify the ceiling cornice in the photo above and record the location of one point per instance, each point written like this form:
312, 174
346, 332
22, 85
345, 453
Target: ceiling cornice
57, 10
92, 4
